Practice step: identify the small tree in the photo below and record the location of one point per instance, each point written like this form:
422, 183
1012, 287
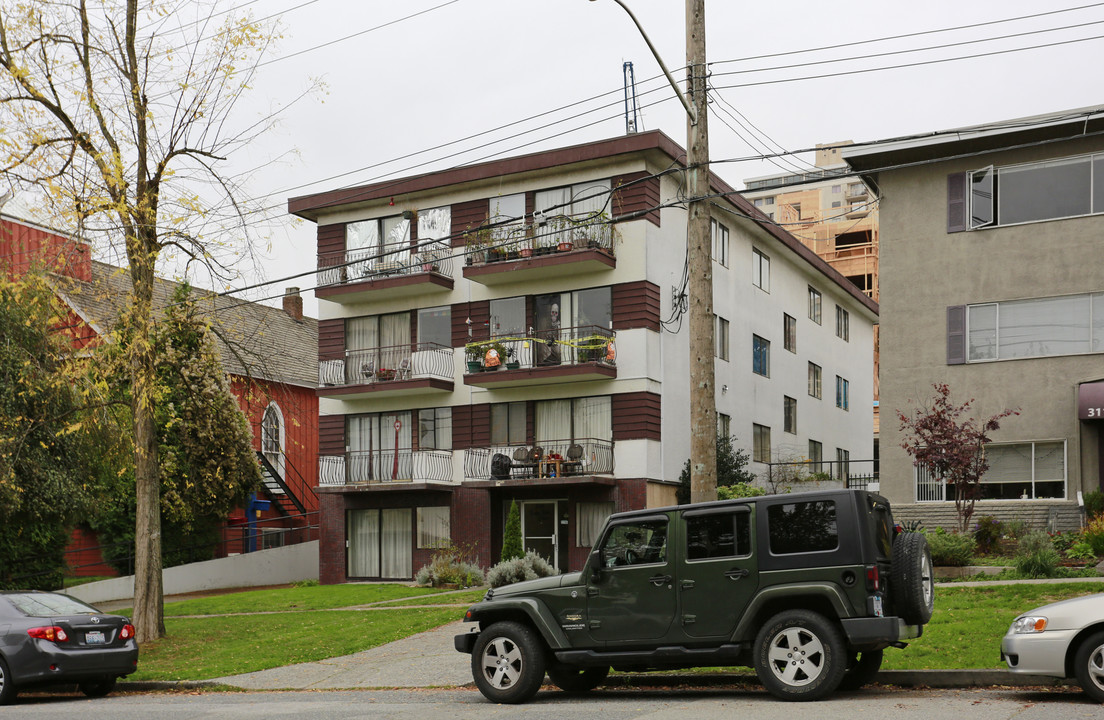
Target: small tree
731, 469
511, 538
949, 444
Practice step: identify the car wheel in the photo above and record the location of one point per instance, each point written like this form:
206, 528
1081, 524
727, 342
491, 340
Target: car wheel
97, 688
912, 580
573, 679
1088, 665
800, 655
7, 687
508, 662
861, 670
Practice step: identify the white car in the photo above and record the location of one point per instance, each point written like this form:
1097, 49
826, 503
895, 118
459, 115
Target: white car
1064, 639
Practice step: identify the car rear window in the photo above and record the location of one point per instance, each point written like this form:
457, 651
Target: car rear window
46, 605
801, 527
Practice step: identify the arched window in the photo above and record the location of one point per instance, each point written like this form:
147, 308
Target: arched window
272, 436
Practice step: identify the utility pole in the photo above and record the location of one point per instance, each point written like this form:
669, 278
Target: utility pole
703, 401
699, 260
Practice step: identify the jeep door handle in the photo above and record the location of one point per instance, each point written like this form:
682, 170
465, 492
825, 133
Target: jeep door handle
737, 573
659, 580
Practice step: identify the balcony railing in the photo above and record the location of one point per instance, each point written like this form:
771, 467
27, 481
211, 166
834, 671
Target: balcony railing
388, 364
385, 466
556, 458
544, 348
361, 265
559, 233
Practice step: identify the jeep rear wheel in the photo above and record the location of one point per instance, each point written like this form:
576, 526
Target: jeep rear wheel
508, 663
912, 583
574, 679
800, 655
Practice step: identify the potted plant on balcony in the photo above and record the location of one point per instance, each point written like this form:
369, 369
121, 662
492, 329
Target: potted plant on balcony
476, 243
385, 374
512, 363
474, 354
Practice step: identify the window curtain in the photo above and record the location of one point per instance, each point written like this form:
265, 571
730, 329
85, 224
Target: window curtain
394, 339
553, 421
553, 203
363, 439
433, 526
434, 224
363, 532
396, 546
590, 198
590, 518
593, 418
362, 333
396, 237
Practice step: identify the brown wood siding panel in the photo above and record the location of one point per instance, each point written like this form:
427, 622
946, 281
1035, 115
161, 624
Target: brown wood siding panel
331, 435
480, 314
331, 339
636, 416
467, 215
331, 238
471, 426
636, 305
637, 192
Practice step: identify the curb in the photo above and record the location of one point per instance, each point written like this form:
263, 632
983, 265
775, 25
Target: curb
899, 678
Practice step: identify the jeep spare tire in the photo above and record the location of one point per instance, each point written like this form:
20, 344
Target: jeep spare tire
912, 584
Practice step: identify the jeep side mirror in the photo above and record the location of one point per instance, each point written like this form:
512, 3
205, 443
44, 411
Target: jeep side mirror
595, 565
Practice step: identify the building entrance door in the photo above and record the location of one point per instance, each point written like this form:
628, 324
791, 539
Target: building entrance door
539, 530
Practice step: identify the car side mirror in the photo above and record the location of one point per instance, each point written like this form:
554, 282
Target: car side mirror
595, 565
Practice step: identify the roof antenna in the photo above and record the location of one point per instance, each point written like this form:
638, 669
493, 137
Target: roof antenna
632, 125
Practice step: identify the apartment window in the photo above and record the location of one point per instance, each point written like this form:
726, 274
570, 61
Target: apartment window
1038, 327
367, 239
796, 210
435, 327
760, 270
789, 411
843, 324
435, 429
814, 380
758, 202
720, 242
1017, 471
724, 425
577, 202
815, 302
720, 338
508, 423
760, 356
789, 332
576, 420
761, 444
433, 526
590, 518
836, 189
1066, 187
768, 201
843, 392
816, 456
843, 464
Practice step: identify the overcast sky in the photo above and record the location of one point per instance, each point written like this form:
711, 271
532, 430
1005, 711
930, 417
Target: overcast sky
462, 80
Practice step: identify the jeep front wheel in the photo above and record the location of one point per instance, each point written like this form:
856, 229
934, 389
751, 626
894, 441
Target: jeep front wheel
508, 663
573, 679
800, 655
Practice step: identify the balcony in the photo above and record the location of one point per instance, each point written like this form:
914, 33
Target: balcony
351, 276
552, 247
387, 372
557, 462
856, 191
560, 355
383, 469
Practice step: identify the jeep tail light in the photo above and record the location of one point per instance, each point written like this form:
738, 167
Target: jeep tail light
52, 633
873, 578
127, 632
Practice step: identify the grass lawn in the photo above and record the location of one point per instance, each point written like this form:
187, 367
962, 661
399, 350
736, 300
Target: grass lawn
210, 647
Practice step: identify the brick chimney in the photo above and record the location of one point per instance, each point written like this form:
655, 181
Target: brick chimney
293, 303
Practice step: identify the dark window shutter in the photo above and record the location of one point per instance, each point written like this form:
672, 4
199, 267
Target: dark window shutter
956, 335
956, 202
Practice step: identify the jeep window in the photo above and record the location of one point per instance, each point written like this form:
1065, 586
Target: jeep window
801, 527
718, 535
883, 528
639, 543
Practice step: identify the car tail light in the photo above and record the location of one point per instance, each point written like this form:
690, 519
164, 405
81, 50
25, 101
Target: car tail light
873, 578
127, 632
52, 633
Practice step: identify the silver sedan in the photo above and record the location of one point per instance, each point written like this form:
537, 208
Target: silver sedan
1064, 639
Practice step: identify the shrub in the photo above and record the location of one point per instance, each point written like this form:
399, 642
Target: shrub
987, 535
1081, 551
1094, 503
309, 582
1036, 556
1062, 542
1094, 534
955, 549
529, 567
739, 490
511, 536
450, 565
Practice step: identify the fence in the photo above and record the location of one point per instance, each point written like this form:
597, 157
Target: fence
387, 364
375, 263
556, 458
385, 466
809, 474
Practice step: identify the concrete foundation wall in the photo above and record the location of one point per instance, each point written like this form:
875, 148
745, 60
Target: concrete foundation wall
265, 567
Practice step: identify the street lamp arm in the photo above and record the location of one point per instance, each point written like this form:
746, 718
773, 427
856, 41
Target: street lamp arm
667, 73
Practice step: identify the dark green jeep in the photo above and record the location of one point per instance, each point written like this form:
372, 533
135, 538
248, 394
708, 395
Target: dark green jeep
808, 588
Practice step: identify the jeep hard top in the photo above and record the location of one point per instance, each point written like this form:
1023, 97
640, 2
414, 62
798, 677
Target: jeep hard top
807, 588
